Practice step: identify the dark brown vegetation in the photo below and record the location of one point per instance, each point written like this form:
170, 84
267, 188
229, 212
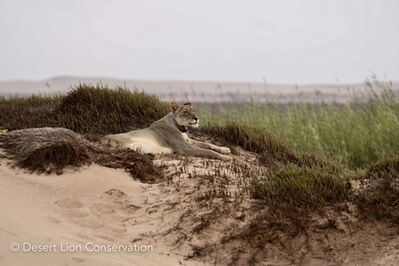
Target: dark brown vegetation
34, 111
302, 184
379, 191
93, 111
299, 184
99, 111
254, 139
47, 150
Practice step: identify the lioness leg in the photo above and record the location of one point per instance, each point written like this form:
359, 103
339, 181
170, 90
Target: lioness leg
196, 151
204, 145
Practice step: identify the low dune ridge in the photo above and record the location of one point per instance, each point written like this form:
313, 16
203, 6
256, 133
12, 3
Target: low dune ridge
205, 91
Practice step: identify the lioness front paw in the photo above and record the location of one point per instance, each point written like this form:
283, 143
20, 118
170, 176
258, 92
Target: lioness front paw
224, 150
226, 158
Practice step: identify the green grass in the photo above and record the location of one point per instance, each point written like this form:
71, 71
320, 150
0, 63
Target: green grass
314, 151
356, 135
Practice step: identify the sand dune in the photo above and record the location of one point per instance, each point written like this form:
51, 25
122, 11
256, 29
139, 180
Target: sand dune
95, 205
201, 91
184, 219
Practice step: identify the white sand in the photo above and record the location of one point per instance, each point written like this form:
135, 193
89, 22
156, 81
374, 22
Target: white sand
75, 209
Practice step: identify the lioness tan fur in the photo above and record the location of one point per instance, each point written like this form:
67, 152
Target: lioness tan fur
168, 135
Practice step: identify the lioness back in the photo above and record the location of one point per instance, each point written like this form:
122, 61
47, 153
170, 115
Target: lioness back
142, 141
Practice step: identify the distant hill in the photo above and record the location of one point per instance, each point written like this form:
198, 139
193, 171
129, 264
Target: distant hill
202, 91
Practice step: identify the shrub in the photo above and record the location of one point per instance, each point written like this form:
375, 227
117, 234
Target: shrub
34, 111
97, 110
379, 193
93, 111
299, 183
253, 138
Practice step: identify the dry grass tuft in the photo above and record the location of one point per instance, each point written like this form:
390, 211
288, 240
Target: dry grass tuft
379, 193
298, 183
93, 111
139, 166
30, 112
255, 139
47, 150
287, 200
98, 110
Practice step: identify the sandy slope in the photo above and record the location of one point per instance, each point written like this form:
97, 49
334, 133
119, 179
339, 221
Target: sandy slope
94, 205
186, 219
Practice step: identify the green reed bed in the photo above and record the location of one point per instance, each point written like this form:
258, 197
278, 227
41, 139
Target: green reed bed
356, 134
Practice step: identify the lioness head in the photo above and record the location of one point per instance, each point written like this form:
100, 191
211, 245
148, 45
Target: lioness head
185, 115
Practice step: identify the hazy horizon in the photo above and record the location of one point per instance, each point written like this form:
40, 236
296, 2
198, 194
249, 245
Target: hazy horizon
262, 82
290, 42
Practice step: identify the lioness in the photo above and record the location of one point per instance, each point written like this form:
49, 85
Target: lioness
168, 135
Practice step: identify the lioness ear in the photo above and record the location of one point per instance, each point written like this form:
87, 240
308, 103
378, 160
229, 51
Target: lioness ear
174, 106
188, 104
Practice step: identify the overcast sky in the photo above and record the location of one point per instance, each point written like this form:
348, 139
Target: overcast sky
293, 41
